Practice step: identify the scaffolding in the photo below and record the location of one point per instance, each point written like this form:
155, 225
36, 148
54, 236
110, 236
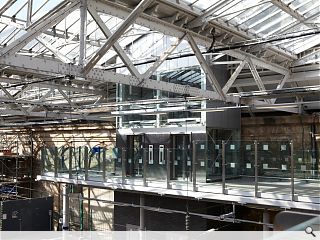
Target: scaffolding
15, 166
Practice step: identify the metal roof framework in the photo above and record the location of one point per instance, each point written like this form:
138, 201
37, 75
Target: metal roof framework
57, 58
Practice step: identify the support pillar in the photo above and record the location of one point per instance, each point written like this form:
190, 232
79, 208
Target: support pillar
65, 207
266, 220
142, 222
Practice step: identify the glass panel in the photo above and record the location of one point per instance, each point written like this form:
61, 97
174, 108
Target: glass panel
134, 165
181, 163
78, 164
156, 166
48, 155
95, 166
306, 173
64, 155
274, 169
209, 166
240, 167
113, 163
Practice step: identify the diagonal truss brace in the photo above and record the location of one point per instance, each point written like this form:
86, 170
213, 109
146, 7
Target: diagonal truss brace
12, 98
233, 77
161, 59
125, 59
30, 109
116, 35
66, 97
257, 78
61, 11
280, 85
52, 49
206, 68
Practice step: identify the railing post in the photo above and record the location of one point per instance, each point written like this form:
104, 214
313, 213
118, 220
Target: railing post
123, 165
56, 162
194, 174
70, 162
256, 168
104, 164
86, 160
144, 162
168, 168
223, 167
292, 171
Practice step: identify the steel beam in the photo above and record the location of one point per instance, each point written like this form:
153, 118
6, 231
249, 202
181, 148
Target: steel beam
47, 115
307, 44
52, 49
66, 97
116, 35
83, 32
54, 17
12, 98
30, 109
79, 88
29, 12
6, 6
162, 58
233, 77
36, 65
125, 59
308, 58
286, 8
206, 68
256, 76
171, 29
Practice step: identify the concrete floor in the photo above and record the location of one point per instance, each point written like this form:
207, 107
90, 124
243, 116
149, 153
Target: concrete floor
305, 190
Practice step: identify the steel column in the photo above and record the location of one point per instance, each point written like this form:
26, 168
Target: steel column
144, 167
65, 207
70, 161
292, 171
86, 160
256, 169
104, 163
123, 165
194, 162
168, 168
266, 220
83, 32
223, 167
56, 162
141, 211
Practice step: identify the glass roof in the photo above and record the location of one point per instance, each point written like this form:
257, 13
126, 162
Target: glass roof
260, 17
265, 19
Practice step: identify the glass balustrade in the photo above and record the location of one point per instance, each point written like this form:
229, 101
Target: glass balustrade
48, 157
306, 175
274, 169
239, 167
264, 169
208, 166
64, 159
